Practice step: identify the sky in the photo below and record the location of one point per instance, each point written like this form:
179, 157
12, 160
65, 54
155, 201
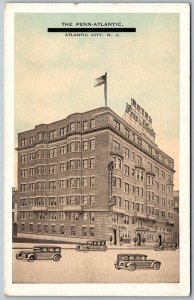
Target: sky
54, 74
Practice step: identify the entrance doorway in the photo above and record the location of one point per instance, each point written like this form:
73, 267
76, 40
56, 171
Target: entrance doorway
160, 239
114, 236
139, 239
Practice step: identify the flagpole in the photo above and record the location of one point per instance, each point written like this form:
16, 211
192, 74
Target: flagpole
105, 89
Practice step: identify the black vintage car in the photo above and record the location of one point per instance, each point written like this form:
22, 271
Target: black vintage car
165, 246
40, 253
134, 261
92, 245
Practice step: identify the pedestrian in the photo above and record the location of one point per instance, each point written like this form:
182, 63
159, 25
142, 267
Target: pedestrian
135, 241
143, 242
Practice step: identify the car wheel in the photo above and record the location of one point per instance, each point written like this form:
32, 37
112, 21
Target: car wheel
173, 249
132, 267
17, 256
86, 249
104, 248
156, 266
56, 258
116, 267
31, 258
121, 265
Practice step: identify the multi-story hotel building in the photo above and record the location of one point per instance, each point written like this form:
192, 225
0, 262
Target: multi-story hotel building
92, 175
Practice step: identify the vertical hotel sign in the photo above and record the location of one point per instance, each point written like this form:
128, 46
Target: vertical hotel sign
110, 181
139, 119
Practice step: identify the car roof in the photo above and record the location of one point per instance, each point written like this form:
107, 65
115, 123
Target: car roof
46, 246
97, 241
132, 254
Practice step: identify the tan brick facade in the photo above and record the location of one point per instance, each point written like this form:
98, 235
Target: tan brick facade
64, 182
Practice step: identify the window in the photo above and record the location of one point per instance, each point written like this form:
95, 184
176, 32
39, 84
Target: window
92, 200
157, 199
84, 231
62, 215
62, 167
85, 163
133, 189
78, 126
44, 153
32, 155
149, 167
71, 165
52, 152
72, 182
132, 205
132, 155
91, 231
163, 201
163, 214
39, 136
23, 187
85, 145
92, 181
115, 218
163, 174
31, 186
52, 185
156, 171
72, 127
157, 185
92, 144
156, 154
126, 187
24, 173
126, 204
85, 216
163, 188
72, 147
150, 180
38, 185
116, 145
32, 139
62, 131
92, 123
84, 182
62, 150
78, 164
31, 227
116, 124
52, 134
85, 125
52, 201
92, 216
85, 200
23, 158
52, 169
169, 189
126, 170
24, 142
53, 229
62, 184
62, 200
133, 172
148, 195
126, 152
72, 230
116, 182
78, 146
92, 163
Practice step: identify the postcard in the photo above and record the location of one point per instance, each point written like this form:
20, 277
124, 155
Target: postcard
97, 139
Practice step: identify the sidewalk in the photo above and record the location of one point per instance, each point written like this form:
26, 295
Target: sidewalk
30, 240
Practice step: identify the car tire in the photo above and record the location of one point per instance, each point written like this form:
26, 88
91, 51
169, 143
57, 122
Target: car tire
121, 264
56, 258
104, 248
86, 249
156, 266
31, 258
116, 267
132, 267
17, 256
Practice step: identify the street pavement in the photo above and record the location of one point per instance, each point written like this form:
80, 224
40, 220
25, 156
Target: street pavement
94, 267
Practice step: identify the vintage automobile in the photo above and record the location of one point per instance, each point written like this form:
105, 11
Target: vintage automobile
92, 245
135, 261
40, 253
165, 246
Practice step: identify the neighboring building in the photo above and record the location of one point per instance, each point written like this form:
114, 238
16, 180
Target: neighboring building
14, 210
176, 217
69, 185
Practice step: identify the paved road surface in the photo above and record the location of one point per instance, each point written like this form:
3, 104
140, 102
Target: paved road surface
95, 267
